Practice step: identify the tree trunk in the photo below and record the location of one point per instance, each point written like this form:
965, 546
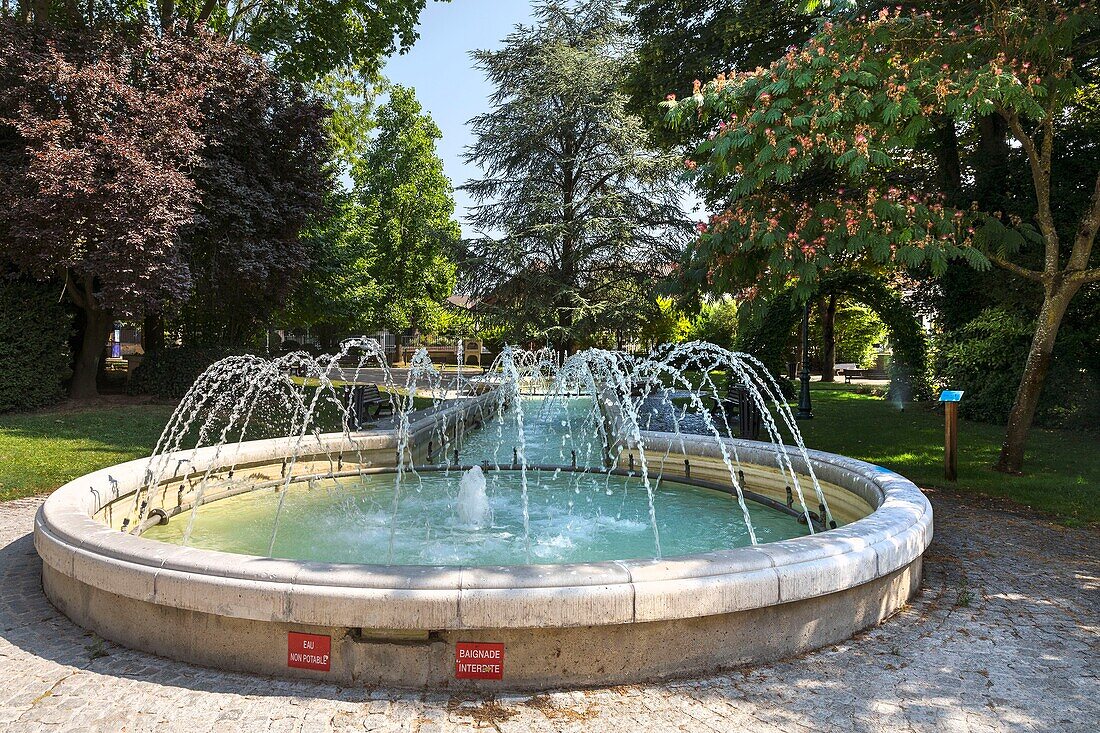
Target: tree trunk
827, 311
565, 344
152, 333
949, 166
97, 325
326, 336
1055, 303
398, 346
40, 10
991, 165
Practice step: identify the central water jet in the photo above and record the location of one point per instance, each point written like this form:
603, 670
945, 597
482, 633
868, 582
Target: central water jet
473, 503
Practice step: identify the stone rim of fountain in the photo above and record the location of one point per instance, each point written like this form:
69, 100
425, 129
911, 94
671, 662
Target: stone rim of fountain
418, 597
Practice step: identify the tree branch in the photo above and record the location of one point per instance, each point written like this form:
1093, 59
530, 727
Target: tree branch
167, 14
71, 287
1085, 276
1039, 161
1015, 269
203, 16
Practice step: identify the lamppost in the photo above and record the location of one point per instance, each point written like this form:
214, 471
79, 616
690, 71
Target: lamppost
805, 408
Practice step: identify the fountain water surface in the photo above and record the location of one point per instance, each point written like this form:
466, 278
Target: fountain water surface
541, 417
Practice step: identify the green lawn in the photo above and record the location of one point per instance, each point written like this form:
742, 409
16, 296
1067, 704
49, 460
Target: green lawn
1062, 468
41, 451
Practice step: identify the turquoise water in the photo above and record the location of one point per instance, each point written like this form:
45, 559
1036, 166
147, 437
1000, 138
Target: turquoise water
552, 429
573, 517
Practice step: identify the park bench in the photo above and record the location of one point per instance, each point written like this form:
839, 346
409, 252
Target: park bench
850, 374
739, 400
364, 401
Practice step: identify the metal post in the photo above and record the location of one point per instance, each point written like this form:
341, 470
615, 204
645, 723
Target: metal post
805, 407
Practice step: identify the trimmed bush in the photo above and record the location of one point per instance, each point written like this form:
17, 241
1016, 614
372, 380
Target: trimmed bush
169, 372
34, 345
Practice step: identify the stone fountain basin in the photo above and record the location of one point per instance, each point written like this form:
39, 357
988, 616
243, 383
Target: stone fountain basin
562, 625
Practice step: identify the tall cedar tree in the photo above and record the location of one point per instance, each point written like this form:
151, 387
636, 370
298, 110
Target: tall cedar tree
574, 209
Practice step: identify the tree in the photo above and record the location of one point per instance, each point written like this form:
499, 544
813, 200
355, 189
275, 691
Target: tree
665, 325
263, 174
574, 207
682, 40
386, 257
97, 132
340, 293
303, 39
400, 176
716, 322
850, 109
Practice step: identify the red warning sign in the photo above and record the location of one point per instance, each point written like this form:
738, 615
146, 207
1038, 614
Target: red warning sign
479, 661
308, 651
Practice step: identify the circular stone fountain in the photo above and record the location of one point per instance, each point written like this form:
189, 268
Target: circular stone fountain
483, 621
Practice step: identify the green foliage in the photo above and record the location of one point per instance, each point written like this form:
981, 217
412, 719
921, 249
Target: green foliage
766, 335
303, 39
34, 345
986, 359
857, 328
808, 159
716, 322
339, 292
845, 152
666, 325
169, 372
385, 258
682, 40
400, 176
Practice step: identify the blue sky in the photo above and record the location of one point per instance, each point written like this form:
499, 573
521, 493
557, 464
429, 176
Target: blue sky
439, 68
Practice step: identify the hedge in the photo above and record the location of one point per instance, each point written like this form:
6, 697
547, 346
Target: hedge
35, 361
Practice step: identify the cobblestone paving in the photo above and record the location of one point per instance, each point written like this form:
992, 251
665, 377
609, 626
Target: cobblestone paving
1004, 637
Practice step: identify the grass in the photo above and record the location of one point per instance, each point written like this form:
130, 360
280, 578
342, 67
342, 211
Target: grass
1062, 468
40, 451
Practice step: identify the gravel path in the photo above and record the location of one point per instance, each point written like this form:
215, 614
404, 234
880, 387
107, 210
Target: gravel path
1004, 637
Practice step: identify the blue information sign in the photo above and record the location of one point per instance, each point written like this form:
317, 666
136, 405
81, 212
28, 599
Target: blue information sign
951, 395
